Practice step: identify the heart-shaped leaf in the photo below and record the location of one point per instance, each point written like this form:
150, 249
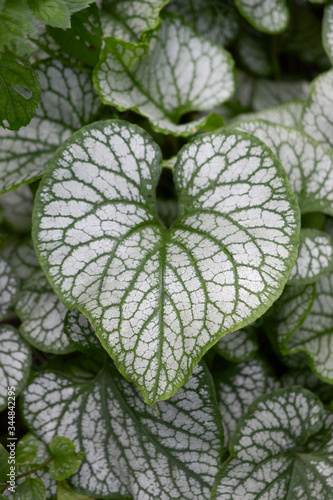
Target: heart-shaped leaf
269, 16
15, 360
30, 489
309, 167
315, 257
238, 346
317, 118
237, 387
163, 87
160, 298
272, 452
68, 102
130, 20
214, 20
65, 459
131, 451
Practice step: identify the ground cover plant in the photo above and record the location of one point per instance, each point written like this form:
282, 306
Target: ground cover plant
166, 249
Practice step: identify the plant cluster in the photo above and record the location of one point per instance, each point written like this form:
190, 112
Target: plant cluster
166, 249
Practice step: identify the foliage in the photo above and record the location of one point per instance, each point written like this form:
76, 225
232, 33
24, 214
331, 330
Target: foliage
166, 249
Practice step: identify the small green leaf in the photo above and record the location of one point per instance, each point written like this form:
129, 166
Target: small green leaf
52, 12
315, 257
30, 489
17, 22
19, 91
77, 5
317, 118
271, 451
9, 287
237, 387
68, 102
174, 453
238, 346
17, 207
15, 361
80, 333
214, 20
4, 465
160, 298
308, 166
65, 460
130, 20
65, 492
269, 16
163, 88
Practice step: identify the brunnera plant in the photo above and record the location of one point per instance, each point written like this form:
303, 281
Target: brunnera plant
166, 250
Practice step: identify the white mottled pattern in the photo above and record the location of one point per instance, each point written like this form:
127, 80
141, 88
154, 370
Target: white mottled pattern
131, 451
315, 257
68, 101
238, 346
269, 454
317, 118
179, 72
327, 31
15, 360
80, 333
159, 298
309, 167
288, 114
269, 16
8, 287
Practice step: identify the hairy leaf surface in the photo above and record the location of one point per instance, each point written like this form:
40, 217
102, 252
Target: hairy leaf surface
160, 298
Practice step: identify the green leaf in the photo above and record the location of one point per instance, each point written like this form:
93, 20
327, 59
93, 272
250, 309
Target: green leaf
65, 492
77, 5
237, 387
214, 20
317, 118
65, 460
308, 166
52, 12
269, 451
315, 257
290, 311
30, 489
15, 360
269, 16
160, 298
8, 288
68, 102
238, 346
131, 451
80, 333
327, 31
130, 20
314, 337
17, 206
4, 465
17, 22
198, 76
19, 92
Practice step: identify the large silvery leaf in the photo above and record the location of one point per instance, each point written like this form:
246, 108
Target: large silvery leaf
238, 387
179, 72
315, 336
8, 287
129, 20
308, 166
272, 453
159, 298
269, 16
315, 257
327, 31
215, 20
68, 102
317, 119
15, 360
131, 451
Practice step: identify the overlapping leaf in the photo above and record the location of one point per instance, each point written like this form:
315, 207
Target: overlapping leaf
179, 72
317, 119
17, 22
15, 360
269, 93
273, 454
214, 19
8, 287
16, 208
288, 114
238, 387
160, 298
130, 450
80, 333
238, 346
68, 102
309, 167
269, 16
